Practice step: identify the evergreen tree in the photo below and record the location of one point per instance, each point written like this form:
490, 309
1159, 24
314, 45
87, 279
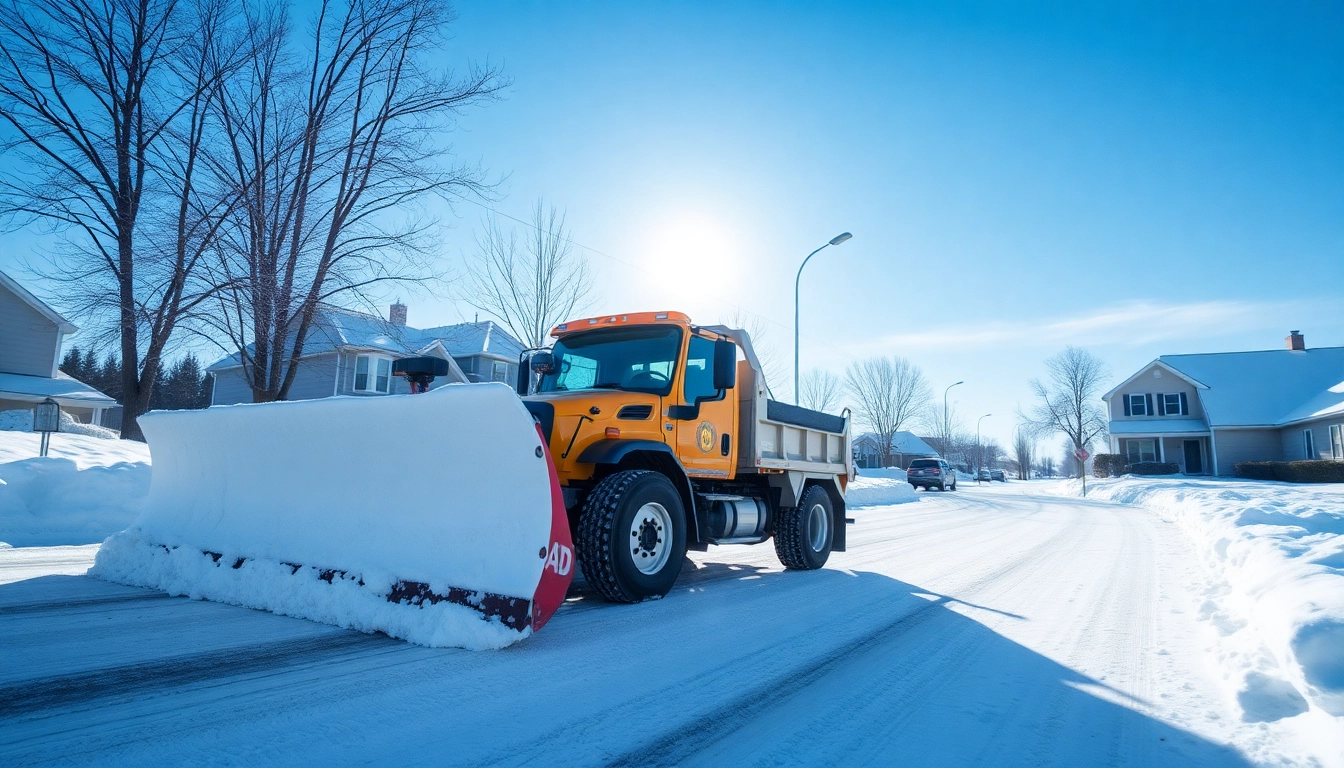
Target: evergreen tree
109, 378
89, 369
72, 364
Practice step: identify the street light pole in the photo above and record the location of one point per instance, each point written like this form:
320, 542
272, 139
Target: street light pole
838, 239
979, 454
947, 422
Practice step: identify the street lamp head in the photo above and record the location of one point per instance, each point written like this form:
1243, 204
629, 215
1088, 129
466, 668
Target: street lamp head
959, 382
840, 238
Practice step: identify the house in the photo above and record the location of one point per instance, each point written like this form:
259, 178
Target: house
1208, 412
351, 353
31, 334
905, 447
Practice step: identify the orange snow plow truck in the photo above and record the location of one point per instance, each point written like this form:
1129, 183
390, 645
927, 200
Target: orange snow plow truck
632, 439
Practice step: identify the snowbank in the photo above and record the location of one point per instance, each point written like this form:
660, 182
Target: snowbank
876, 487
317, 509
1274, 553
81, 494
21, 420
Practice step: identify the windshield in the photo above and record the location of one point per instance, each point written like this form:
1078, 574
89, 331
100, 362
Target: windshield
918, 463
636, 359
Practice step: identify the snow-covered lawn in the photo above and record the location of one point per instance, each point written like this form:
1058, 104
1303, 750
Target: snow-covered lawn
1272, 557
879, 486
85, 490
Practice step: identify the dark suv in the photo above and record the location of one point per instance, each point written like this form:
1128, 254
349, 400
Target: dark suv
932, 473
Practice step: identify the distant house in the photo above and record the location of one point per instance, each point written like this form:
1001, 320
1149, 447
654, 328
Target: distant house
905, 447
1208, 412
351, 353
31, 334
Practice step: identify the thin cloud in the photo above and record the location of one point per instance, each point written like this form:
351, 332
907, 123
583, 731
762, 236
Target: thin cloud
1130, 324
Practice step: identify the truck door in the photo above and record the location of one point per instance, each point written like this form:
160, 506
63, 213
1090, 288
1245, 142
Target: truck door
706, 444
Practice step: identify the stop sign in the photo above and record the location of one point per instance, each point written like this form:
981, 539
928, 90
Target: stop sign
1081, 454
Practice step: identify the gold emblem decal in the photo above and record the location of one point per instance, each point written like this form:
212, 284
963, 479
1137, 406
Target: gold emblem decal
704, 437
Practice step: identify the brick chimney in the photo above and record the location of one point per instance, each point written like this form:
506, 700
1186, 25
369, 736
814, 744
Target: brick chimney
1295, 341
397, 313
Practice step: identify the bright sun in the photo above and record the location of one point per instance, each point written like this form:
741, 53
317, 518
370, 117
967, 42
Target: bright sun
694, 257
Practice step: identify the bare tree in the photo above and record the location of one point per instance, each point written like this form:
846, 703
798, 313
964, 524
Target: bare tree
1069, 402
333, 142
943, 427
772, 363
1022, 451
889, 392
820, 390
533, 286
104, 109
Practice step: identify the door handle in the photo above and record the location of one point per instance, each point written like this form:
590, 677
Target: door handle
726, 444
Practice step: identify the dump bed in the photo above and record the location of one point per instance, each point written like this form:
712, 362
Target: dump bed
779, 436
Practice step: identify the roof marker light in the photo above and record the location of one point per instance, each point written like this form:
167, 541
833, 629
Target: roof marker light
660, 316
593, 321
563, 326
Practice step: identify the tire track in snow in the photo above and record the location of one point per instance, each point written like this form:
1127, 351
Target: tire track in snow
35, 695
685, 739
23, 608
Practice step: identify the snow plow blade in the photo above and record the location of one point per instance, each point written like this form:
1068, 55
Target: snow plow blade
436, 518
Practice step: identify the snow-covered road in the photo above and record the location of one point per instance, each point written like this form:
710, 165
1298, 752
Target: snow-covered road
989, 625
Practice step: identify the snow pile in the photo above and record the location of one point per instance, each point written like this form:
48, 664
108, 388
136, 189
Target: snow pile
85, 491
318, 508
1275, 556
876, 487
21, 420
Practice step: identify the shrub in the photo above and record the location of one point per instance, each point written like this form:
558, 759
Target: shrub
1292, 471
1153, 468
1108, 465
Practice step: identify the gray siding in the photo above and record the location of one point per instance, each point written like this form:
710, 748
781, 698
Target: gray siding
28, 341
1235, 445
316, 377
1294, 446
1146, 383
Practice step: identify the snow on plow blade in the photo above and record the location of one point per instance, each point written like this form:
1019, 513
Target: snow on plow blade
436, 518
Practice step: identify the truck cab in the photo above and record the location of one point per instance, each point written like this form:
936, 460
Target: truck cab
664, 438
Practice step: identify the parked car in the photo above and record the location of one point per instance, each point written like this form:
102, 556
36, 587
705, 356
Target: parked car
983, 475
997, 474
932, 473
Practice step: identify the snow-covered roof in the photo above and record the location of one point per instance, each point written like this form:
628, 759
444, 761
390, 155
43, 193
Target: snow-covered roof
62, 388
64, 325
902, 442
1159, 426
1268, 388
335, 328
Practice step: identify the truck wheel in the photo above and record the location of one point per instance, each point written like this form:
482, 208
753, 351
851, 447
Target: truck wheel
632, 536
803, 534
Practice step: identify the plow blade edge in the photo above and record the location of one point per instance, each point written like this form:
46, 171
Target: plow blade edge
436, 518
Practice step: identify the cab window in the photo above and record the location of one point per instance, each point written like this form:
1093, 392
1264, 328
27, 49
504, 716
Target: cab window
700, 371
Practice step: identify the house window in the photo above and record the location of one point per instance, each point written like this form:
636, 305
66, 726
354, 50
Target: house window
1174, 405
1142, 450
373, 373
499, 372
1337, 442
1308, 444
1138, 405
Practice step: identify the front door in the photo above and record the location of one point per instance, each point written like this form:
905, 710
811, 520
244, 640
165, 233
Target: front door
1194, 458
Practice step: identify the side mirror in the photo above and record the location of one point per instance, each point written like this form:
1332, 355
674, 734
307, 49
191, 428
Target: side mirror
543, 363
725, 364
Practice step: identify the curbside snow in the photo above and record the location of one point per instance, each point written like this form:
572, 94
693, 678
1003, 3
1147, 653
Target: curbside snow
1274, 555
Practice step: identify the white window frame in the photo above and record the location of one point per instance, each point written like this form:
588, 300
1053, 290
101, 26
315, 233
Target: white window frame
1309, 444
1167, 406
371, 375
1139, 441
499, 371
1137, 403
1337, 442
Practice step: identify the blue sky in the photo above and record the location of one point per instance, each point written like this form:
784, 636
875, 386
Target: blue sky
1136, 178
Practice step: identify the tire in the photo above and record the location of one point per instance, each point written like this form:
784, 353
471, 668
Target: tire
942, 487
916, 487
641, 506
803, 537
954, 485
